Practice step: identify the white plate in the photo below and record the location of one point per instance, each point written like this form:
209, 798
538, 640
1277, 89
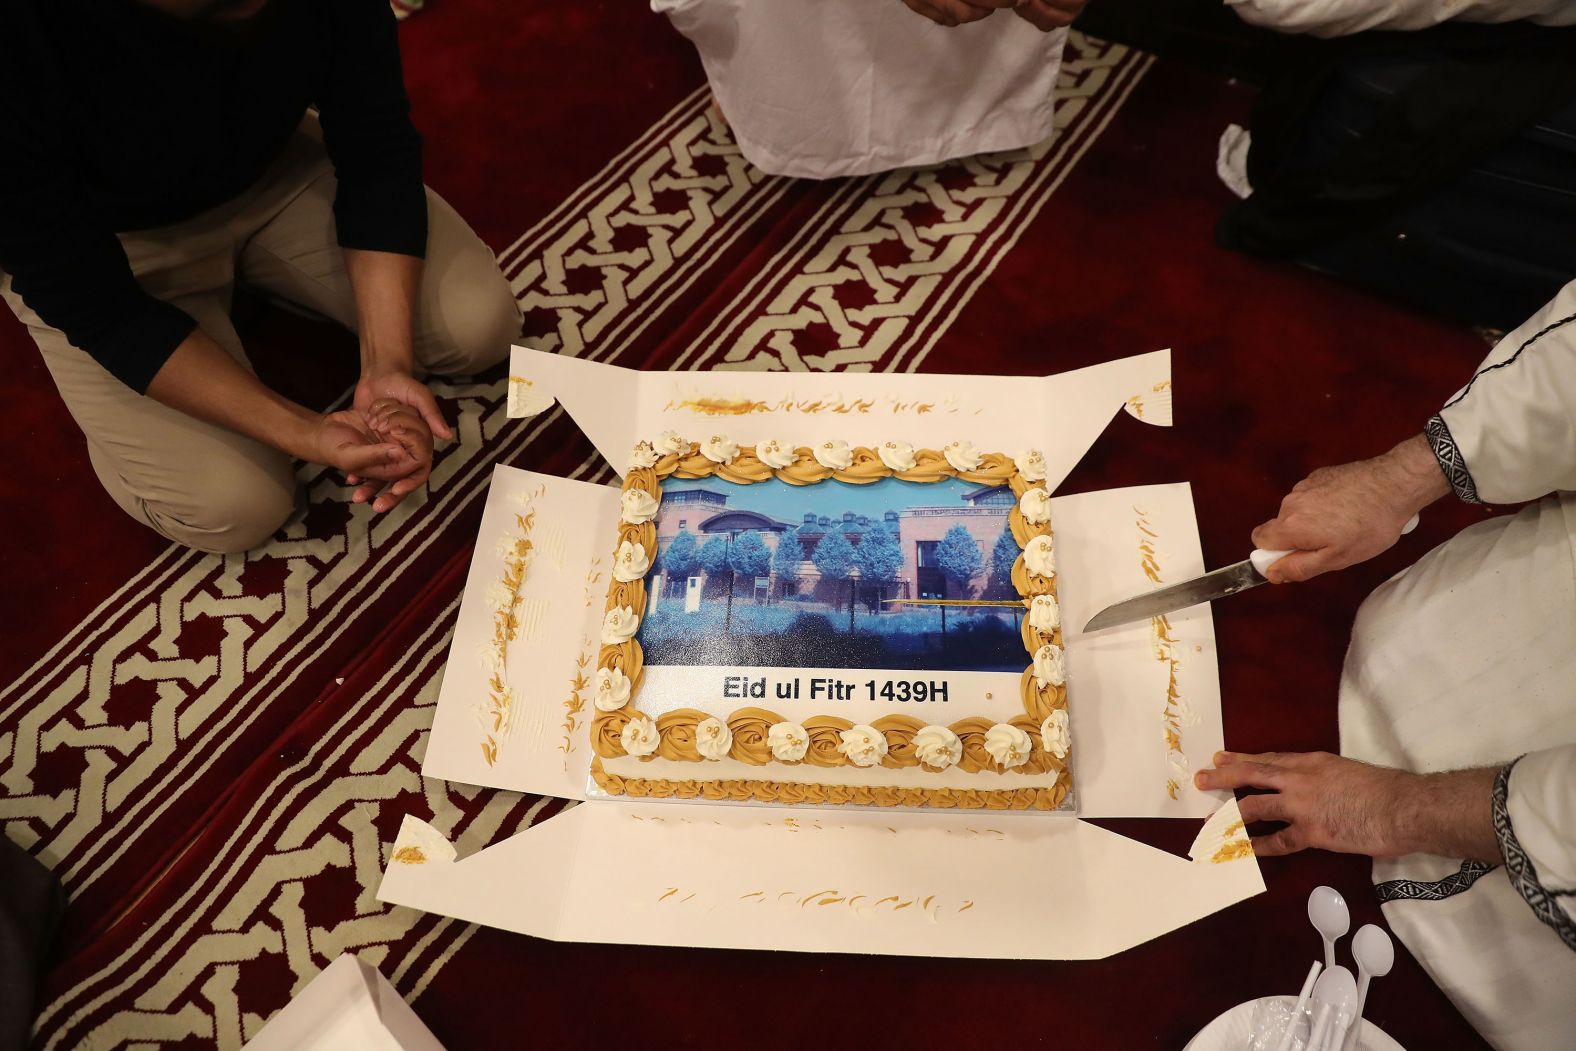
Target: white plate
1232, 1030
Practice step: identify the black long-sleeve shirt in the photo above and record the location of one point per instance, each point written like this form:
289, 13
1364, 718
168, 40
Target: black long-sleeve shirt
115, 117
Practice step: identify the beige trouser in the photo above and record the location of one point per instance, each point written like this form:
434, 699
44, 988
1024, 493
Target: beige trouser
211, 488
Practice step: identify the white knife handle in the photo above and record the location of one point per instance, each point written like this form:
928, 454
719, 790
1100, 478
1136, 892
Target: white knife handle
1263, 560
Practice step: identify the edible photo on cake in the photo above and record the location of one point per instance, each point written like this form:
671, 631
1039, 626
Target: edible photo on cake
893, 574
835, 625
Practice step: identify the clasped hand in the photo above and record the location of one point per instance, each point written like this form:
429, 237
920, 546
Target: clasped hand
384, 442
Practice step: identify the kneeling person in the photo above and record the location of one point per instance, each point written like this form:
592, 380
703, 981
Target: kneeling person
153, 153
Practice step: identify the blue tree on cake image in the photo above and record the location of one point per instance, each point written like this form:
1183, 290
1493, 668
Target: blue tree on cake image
712, 558
786, 561
960, 560
1002, 558
750, 558
834, 557
678, 560
879, 558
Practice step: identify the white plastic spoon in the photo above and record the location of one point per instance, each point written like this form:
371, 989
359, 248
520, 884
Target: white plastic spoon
1335, 992
1375, 955
1329, 915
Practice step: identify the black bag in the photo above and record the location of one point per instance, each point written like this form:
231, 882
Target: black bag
1436, 167
30, 906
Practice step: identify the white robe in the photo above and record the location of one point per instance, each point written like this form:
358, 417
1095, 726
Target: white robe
824, 88
1330, 18
1468, 659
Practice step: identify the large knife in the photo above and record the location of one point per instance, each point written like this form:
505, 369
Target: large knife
1217, 584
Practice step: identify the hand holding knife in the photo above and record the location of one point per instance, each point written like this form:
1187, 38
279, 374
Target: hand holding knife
1230, 580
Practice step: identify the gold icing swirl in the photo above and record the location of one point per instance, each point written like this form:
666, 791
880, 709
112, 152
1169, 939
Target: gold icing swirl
994, 469
929, 466
826, 733
805, 470
865, 468
745, 468
749, 727
899, 731
607, 730
1022, 530
677, 729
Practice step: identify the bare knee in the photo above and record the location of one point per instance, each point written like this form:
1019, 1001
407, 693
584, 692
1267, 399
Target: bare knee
231, 509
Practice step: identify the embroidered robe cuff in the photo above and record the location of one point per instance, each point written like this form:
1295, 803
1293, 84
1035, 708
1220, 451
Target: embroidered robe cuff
1450, 459
1523, 871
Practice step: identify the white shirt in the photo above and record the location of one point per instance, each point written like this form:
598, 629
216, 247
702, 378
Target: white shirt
824, 88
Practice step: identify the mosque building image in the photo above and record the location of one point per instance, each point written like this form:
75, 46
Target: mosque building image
948, 549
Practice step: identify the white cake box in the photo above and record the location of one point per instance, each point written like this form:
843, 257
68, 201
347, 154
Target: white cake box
348, 1005
1144, 702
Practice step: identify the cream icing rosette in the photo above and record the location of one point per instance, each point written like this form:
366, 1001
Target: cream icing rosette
619, 626
713, 738
1050, 666
640, 736
863, 745
642, 456
612, 689
937, 747
1035, 505
1008, 745
788, 741
899, 456
1031, 465
630, 562
1055, 735
776, 454
672, 443
1045, 614
637, 506
961, 455
719, 448
834, 455
1040, 557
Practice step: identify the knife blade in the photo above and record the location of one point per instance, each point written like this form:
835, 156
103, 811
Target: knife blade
1213, 585
1218, 583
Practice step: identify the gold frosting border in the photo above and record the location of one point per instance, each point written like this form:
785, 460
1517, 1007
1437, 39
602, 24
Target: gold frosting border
792, 793
749, 726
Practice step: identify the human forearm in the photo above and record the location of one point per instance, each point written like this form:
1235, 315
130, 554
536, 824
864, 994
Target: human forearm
1412, 475
385, 286
1329, 802
201, 379
1448, 814
1342, 515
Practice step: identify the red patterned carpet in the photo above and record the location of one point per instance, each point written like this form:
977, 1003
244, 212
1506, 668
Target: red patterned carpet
215, 753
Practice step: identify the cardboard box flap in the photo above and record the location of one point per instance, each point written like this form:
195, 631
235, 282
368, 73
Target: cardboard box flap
516, 695
1060, 415
936, 884
348, 1005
